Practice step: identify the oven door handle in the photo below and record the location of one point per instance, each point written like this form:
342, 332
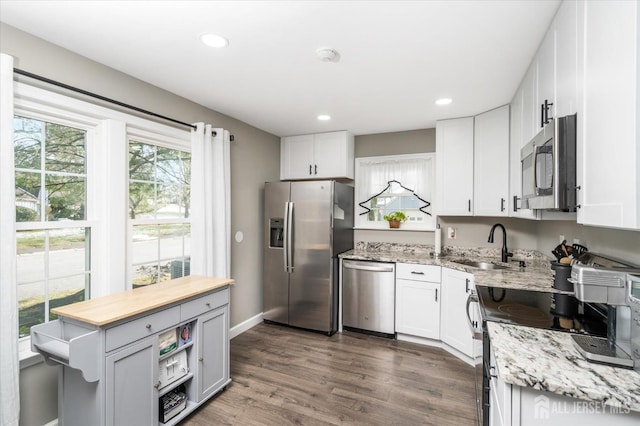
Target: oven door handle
472, 298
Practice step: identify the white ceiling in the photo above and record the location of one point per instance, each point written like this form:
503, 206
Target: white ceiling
396, 57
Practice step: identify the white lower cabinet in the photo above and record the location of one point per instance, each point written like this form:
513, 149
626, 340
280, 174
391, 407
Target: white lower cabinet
454, 326
512, 405
418, 300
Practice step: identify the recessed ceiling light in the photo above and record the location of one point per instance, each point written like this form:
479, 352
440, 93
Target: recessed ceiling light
324, 117
444, 101
214, 40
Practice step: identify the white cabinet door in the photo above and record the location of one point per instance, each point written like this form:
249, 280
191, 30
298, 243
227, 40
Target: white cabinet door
454, 326
546, 90
454, 167
418, 308
296, 157
529, 101
609, 178
334, 155
566, 29
318, 156
500, 397
491, 163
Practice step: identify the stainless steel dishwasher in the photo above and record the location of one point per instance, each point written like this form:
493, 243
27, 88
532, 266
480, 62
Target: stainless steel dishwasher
368, 296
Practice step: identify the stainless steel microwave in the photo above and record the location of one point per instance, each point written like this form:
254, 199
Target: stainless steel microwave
549, 167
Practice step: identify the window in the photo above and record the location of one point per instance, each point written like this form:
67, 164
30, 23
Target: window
71, 183
159, 182
53, 235
393, 183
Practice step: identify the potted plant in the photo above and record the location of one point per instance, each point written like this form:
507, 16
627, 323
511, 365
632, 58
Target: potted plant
395, 218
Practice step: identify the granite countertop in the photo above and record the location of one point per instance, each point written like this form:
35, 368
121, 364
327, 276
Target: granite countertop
541, 359
547, 360
537, 275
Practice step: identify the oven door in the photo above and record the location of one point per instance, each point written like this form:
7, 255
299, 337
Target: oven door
481, 340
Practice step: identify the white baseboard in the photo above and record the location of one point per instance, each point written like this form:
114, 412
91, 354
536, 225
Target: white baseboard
52, 423
436, 344
245, 325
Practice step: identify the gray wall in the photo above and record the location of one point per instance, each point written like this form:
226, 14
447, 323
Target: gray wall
255, 158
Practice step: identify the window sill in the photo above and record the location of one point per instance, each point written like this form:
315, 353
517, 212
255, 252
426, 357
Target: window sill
402, 228
29, 359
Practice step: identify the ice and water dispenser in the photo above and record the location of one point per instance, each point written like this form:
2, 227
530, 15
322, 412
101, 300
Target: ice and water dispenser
276, 234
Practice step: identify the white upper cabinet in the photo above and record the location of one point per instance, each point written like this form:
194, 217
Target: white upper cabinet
491, 163
608, 151
546, 82
472, 165
551, 77
317, 156
529, 105
555, 66
566, 62
454, 167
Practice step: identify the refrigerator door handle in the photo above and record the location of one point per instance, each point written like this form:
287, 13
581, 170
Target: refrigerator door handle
289, 236
285, 243
288, 233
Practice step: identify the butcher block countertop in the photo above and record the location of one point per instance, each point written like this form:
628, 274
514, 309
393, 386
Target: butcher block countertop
108, 309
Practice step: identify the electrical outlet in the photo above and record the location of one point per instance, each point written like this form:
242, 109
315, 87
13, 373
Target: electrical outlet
561, 238
451, 233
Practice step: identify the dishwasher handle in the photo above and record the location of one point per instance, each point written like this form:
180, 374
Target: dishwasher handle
360, 267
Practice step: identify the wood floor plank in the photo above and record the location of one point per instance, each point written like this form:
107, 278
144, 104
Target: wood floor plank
286, 376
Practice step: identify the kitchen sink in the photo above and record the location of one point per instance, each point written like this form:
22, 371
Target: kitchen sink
481, 265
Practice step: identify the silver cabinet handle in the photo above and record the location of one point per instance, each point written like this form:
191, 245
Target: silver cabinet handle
309, 169
157, 385
148, 326
466, 289
436, 294
501, 204
417, 273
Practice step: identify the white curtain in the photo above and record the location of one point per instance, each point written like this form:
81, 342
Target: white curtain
210, 202
375, 174
9, 358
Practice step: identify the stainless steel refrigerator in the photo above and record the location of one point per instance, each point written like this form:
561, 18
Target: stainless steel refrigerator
307, 224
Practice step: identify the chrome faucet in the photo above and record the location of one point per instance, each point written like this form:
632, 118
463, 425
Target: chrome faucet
505, 252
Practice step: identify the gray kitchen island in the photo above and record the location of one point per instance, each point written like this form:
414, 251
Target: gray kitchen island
146, 356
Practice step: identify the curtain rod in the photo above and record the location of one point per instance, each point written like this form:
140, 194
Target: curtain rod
103, 98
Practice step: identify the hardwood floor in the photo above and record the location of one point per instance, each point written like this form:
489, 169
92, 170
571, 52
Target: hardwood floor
287, 376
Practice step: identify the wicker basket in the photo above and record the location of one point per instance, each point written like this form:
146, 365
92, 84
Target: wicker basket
394, 224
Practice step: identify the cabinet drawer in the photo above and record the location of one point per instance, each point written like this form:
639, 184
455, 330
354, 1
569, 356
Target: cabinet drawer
410, 271
142, 327
204, 304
